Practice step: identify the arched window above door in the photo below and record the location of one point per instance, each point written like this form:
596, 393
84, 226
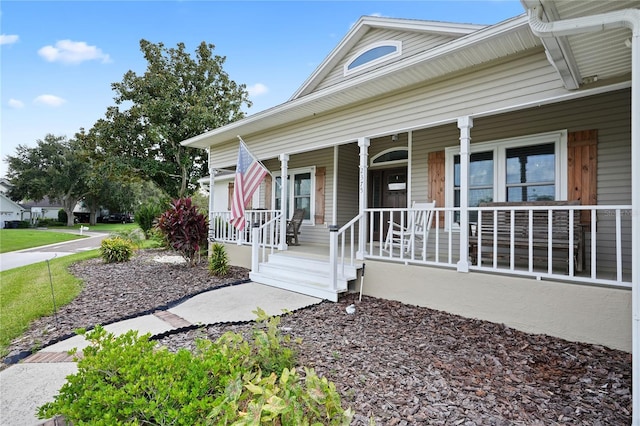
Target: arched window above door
391, 156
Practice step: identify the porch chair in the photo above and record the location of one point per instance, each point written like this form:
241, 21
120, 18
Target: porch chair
293, 227
416, 228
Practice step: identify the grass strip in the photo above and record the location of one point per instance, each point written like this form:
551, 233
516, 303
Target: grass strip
19, 239
25, 294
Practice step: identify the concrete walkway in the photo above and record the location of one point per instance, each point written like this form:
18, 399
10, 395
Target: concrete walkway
36, 380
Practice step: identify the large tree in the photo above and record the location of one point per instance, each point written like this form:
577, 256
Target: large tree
54, 168
176, 98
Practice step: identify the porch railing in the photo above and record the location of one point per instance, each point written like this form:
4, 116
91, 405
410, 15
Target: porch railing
339, 240
606, 244
220, 228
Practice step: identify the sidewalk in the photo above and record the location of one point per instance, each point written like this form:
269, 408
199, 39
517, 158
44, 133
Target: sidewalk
28, 256
36, 380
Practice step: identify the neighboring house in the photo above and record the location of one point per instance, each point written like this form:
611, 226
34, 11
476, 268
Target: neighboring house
9, 210
405, 110
43, 209
5, 186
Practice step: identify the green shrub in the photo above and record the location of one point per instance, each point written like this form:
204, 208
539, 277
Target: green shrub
62, 216
134, 236
219, 260
129, 380
146, 217
50, 222
116, 249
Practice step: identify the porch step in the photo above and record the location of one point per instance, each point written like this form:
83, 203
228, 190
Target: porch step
303, 274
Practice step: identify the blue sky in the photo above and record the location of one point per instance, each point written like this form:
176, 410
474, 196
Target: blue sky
59, 58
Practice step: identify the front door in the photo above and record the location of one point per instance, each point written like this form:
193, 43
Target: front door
387, 189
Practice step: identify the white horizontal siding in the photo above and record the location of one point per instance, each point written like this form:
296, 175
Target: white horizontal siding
348, 186
525, 79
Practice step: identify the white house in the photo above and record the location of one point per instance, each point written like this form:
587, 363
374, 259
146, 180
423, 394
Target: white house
9, 210
539, 113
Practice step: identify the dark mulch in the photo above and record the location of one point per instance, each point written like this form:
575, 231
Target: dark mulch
117, 291
393, 363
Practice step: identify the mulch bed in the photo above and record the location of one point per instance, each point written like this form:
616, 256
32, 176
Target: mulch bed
394, 364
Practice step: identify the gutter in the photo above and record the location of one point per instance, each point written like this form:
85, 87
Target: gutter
627, 18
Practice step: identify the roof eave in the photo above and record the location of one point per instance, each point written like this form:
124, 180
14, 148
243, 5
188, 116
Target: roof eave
231, 130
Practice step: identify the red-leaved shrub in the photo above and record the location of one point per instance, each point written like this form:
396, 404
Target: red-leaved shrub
185, 228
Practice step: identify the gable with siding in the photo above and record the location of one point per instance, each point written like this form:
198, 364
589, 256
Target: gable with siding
414, 37
411, 43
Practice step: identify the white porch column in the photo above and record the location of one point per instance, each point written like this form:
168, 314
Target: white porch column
464, 124
363, 143
212, 174
334, 196
635, 220
284, 198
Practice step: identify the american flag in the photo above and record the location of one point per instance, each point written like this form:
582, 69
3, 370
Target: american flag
249, 174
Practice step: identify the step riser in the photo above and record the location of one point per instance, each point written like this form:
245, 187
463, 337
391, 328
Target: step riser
287, 285
301, 274
306, 275
310, 265
299, 278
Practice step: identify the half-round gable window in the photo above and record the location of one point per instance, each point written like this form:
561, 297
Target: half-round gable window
390, 156
373, 54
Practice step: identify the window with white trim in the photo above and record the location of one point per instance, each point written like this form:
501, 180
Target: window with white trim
373, 54
530, 168
300, 192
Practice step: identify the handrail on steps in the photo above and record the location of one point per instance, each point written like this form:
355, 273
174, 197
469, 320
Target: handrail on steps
335, 262
264, 235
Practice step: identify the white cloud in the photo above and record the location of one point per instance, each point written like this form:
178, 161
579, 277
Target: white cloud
72, 52
257, 89
49, 100
8, 39
14, 103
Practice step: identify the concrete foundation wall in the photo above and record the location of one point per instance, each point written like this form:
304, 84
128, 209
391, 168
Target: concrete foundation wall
239, 255
573, 312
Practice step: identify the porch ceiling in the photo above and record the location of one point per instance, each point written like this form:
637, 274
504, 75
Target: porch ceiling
586, 58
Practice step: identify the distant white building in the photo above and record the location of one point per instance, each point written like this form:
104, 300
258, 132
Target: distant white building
10, 210
5, 186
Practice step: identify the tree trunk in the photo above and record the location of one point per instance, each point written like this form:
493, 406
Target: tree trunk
68, 204
93, 213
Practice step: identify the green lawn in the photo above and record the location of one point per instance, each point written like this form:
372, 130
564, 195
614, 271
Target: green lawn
25, 294
18, 239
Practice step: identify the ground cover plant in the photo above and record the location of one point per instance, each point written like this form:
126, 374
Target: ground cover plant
20, 239
26, 294
234, 380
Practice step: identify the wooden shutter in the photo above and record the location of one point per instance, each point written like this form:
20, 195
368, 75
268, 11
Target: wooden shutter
435, 163
582, 169
320, 195
268, 184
